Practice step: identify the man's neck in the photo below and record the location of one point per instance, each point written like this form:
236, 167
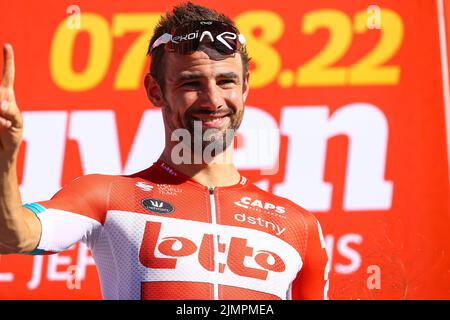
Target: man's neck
214, 174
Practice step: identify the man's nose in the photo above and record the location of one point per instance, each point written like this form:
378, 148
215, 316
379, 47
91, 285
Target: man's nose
210, 97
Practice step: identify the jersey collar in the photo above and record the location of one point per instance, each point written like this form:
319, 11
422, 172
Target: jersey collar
168, 170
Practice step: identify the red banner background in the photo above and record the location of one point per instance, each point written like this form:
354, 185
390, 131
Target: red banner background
356, 92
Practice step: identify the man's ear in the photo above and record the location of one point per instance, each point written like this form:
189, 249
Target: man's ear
246, 86
154, 92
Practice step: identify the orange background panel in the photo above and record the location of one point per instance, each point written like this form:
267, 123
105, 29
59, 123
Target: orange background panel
408, 241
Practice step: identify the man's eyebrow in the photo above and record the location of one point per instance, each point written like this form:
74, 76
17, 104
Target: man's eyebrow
229, 75
188, 76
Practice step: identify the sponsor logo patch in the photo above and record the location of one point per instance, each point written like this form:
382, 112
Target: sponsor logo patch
144, 186
261, 206
246, 218
157, 206
168, 190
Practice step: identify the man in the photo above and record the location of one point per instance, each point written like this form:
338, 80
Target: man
190, 226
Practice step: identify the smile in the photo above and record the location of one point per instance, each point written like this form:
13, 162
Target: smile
209, 120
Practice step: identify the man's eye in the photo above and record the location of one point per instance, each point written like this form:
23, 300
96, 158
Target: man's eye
226, 82
191, 84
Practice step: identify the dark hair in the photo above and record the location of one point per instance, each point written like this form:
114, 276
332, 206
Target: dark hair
180, 14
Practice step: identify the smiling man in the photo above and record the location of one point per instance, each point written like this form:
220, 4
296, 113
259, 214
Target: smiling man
199, 77
190, 226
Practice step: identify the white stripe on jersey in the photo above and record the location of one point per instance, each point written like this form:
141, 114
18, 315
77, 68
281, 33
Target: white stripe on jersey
328, 265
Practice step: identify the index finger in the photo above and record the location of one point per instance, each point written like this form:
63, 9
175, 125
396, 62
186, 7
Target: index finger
8, 65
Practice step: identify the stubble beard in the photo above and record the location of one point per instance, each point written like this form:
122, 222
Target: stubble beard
212, 140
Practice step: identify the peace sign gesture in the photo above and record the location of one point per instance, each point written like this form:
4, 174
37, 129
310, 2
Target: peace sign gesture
10, 118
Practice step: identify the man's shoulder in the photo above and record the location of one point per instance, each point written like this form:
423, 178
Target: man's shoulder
102, 179
92, 186
277, 200
94, 180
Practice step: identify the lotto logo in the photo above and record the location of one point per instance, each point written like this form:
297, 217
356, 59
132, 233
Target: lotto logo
165, 248
159, 252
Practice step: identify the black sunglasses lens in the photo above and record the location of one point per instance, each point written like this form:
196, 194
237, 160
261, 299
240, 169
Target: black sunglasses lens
187, 47
224, 49
226, 39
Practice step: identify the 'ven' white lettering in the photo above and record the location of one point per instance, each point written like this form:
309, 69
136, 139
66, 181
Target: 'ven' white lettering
261, 142
100, 150
96, 134
45, 136
309, 129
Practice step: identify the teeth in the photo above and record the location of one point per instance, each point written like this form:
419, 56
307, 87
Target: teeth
210, 119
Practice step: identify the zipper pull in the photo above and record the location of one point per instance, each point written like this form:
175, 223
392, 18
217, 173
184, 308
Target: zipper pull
211, 190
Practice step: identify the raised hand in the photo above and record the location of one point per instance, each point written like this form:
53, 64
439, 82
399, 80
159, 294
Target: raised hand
11, 123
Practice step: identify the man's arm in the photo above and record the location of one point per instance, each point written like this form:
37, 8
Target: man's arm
312, 282
19, 228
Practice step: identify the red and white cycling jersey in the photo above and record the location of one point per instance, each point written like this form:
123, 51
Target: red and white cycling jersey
158, 234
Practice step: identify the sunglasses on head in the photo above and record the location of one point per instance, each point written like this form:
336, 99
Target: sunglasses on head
186, 38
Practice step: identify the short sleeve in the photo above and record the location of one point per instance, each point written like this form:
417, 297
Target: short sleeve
312, 281
75, 213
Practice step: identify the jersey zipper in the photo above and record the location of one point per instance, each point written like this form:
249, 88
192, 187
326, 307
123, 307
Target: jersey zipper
212, 202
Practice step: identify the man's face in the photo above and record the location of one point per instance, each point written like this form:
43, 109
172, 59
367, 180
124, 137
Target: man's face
205, 93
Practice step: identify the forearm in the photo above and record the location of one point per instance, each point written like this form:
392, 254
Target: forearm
14, 230
19, 228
